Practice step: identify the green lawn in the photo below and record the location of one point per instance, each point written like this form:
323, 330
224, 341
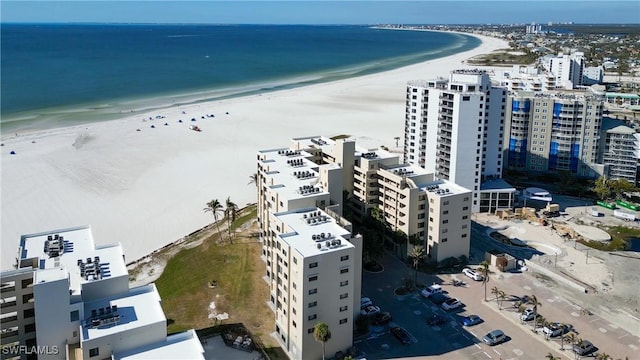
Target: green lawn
619, 236
240, 290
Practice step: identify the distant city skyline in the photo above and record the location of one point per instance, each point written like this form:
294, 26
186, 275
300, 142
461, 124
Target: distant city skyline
322, 12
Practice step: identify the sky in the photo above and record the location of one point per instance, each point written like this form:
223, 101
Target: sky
323, 12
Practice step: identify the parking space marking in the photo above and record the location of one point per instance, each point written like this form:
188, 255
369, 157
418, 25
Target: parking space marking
496, 351
489, 356
478, 346
466, 337
613, 326
602, 330
575, 314
620, 337
471, 332
518, 352
596, 319
633, 347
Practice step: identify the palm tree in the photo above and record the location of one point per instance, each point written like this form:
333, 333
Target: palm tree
603, 356
570, 338
484, 271
580, 343
253, 179
502, 296
215, 208
538, 320
230, 213
533, 300
322, 334
521, 309
550, 356
416, 254
495, 291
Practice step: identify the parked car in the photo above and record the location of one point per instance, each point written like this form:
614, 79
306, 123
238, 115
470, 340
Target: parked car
527, 315
451, 304
438, 298
436, 320
555, 329
585, 348
402, 335
381, 318
495, 337
370, 310
432, 289
364, 302
473, 274
471, 320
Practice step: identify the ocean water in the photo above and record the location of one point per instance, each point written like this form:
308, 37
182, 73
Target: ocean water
58, 75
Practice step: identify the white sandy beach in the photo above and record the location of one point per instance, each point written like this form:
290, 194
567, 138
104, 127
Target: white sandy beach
147, 188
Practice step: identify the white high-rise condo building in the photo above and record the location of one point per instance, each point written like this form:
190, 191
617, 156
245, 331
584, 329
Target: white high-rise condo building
566, 69
69, 299
454, 128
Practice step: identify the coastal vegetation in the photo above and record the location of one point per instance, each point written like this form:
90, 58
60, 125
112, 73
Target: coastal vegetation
185, 286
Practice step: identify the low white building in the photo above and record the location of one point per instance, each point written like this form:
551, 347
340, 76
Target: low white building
73, 300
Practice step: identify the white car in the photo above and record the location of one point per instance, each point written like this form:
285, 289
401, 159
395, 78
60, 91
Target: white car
527, 315
451, 304
554, 329
364, 302
370, 310
433, 289
472, 274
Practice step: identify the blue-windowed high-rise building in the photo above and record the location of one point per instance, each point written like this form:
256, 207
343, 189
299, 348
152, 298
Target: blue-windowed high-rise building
558, 131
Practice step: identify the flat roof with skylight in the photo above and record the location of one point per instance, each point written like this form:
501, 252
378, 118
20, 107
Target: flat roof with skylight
313, 232
293, 175
72, 249
443, 188
107, 316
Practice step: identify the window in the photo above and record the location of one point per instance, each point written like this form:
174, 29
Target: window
310, 331
294, 324
343, 321
313, 265
29, 328
313, 304
344, 258
465, 208
312, 317
464, 235
313, 291
445, 221
343, 308
75, 315
344, 296
344, 283
94, 352
344, 271
293, 310
295, 261
444, 240
294, 285
313, 278
466, 98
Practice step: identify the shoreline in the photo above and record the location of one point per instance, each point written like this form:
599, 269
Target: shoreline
146, 188
41, 119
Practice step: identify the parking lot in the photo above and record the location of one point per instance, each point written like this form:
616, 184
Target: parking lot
453, 341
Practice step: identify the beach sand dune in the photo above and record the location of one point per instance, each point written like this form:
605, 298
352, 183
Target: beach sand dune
147, 188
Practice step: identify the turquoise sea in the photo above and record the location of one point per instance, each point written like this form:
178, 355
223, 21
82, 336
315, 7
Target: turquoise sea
59, 75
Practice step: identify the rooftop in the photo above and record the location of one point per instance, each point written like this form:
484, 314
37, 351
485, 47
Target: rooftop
73, 250
311, 230
496, 184
123, 312
443, 188
184, 345
374, 153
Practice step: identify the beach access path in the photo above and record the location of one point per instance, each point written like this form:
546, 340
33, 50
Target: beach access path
147, 188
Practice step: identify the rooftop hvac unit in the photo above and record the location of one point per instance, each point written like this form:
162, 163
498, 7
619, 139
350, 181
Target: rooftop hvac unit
313, 237
338, 242
327, 244
328, 235
322, 235
319, 246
